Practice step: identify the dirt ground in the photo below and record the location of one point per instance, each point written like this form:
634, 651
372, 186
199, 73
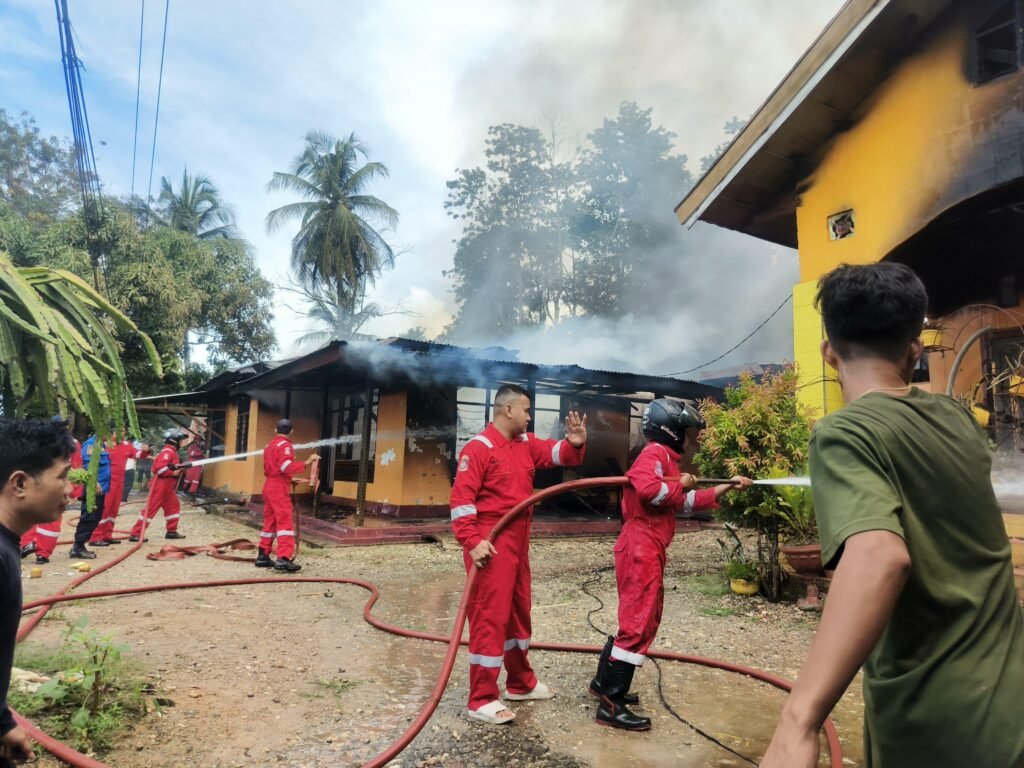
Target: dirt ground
291, 675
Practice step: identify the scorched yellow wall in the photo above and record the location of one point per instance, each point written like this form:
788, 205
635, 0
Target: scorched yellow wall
386, 487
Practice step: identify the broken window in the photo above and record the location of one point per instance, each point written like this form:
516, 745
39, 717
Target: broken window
349, 410
242, 427
547, 416
472, 413
997, 43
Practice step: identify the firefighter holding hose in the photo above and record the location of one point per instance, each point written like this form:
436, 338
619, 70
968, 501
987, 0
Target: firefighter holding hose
281, 471
495, 472
166, 472
656, 491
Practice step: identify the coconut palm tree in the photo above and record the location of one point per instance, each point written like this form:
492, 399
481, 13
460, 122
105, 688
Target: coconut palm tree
338, 243
196, 208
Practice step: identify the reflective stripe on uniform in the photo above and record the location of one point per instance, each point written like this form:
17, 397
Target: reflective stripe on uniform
286, 533
51, 534
483, 440
462, 511
517, 642
266, 535
555, 458
285, 465
661, 495
636, 659
172, 517
494, 662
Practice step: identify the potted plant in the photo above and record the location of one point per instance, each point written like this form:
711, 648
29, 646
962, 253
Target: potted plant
760, 430
739, 568
801, 547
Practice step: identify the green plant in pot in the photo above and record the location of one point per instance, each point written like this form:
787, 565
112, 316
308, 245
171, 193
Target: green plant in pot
739, 568
793, 508
760, 430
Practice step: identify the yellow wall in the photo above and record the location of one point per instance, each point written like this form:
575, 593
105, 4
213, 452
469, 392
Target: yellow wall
921, 145
234, 476
386, 487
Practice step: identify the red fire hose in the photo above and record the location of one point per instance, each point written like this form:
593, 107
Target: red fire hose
74, 758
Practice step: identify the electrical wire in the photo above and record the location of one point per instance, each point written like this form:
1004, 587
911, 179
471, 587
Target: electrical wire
159, 89
737, 346
138, 92
595, 579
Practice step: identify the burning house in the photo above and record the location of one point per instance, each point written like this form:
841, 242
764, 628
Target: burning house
402, 410
899, 135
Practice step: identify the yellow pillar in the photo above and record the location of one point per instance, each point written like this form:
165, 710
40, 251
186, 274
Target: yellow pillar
818, 389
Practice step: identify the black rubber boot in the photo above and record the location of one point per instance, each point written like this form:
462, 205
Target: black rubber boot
284, 564
28, 549
595, 683
174, 535
133, 539
263, 560
80, 552
41, 560
612, 711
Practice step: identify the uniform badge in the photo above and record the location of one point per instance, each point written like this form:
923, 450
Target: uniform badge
463, 463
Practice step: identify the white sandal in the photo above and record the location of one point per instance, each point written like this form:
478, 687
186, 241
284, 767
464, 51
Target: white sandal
488, 713
540, 692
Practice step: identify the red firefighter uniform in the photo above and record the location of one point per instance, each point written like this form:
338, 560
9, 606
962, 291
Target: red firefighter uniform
494, 474
161, 493
45, 535
279, 466
194, 474
119, 456
649, 505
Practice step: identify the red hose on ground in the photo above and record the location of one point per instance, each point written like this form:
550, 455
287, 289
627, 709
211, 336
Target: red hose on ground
74, 758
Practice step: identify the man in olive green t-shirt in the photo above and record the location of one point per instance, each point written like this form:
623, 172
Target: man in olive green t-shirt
923, 594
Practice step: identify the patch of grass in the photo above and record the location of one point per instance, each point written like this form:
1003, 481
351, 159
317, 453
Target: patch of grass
93, 693
718, 610
707, 584
337, 687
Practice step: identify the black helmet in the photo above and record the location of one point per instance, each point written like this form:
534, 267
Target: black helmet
284, 427
175, 436
665, 421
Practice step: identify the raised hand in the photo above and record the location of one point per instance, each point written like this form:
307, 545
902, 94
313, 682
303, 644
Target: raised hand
576, 429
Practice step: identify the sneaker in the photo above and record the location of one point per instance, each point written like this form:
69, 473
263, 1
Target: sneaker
28, 549
41, 560
81, 553
284, 564
174, 535
264, 560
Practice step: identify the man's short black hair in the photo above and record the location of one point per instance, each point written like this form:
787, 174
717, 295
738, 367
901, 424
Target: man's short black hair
31, 445
872, 310
508, 391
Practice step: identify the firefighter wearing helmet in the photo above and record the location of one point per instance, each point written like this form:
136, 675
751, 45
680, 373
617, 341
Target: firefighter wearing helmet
656, 492
162, 490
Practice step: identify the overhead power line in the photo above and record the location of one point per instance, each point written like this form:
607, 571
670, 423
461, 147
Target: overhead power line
159, 89
138, 91
737, 346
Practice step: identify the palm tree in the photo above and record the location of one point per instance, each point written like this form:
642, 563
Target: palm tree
196, 208
337, 243
336, 321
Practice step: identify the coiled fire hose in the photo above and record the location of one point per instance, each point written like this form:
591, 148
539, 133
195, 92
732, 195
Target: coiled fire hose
63, 752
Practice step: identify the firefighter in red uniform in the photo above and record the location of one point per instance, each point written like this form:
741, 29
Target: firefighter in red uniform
42, 539
281, 470
103, 535
162, 488
657, 490
193, 475
495, 472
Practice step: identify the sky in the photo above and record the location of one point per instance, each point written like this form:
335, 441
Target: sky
420, 83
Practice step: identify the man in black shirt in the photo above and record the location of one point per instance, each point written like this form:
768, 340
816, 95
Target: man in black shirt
34, 488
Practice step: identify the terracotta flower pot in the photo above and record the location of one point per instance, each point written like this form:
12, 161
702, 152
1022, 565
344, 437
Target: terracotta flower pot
806, 561
743, 587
